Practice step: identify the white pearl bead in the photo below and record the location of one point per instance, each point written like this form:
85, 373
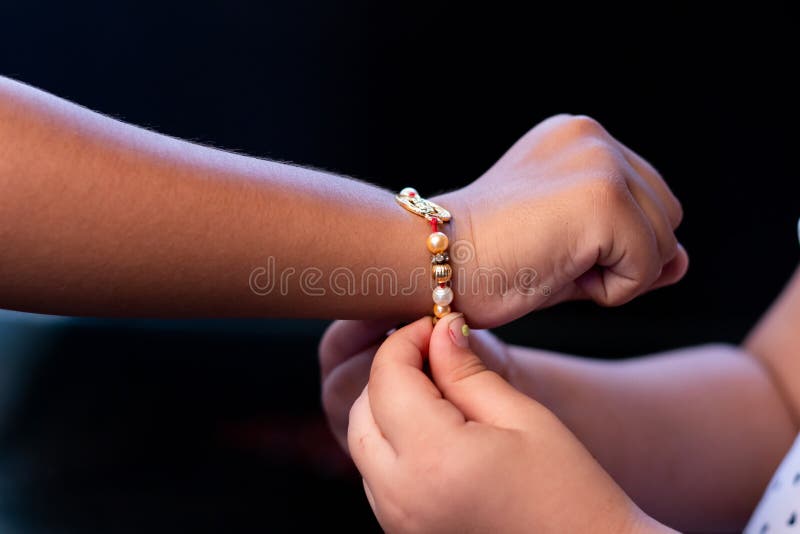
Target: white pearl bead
409, 191
443, 296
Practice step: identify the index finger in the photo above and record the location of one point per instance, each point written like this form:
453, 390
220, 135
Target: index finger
405, 403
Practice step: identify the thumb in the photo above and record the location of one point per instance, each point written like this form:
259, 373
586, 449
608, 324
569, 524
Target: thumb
480, 394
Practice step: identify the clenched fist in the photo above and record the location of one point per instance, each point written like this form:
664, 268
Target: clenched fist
567, 213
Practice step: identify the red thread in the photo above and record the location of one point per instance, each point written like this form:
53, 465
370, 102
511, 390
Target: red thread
434, 223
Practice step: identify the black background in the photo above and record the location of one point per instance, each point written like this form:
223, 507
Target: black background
120, 426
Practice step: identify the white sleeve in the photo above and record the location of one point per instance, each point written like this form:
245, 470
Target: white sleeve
779, 509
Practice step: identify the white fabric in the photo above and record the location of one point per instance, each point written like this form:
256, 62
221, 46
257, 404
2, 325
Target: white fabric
779, 509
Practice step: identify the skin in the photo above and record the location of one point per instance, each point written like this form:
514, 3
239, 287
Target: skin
98, 217
463, 451
692, 435
102, 218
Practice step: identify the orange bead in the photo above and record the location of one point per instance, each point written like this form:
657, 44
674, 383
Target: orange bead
437, 242
440, 311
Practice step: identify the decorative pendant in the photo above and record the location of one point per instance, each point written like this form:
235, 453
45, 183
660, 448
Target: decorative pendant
410, 200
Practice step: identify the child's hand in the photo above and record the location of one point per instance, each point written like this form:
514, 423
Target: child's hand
588, 215
346, 352
467, 452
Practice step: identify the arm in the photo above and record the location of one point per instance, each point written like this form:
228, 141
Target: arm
98, 217
775, 342
692, 435
103, 218
463, 451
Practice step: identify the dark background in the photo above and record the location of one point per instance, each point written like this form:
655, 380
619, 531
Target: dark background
187, 426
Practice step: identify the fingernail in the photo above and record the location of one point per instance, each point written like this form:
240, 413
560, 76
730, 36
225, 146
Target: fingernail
458, 330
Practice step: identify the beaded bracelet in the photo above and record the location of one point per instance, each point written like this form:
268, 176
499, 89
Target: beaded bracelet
437, 244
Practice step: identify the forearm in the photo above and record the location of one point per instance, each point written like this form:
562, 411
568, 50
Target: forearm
98, 217
775, 341
692, 435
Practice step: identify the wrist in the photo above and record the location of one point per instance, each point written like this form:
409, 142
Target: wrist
438, 284
481, 283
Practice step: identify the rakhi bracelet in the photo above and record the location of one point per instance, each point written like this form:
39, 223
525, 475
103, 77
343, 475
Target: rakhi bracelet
437, 244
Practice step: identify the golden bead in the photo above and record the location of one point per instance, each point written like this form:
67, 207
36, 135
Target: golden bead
437, 242
441, 272
440, 311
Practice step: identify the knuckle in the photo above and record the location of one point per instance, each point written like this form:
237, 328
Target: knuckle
324, 348
378, 374
653, 274
676, 212
617, 298
669, 248
401, 510
471, 367
350, 414
608, 190
397, 343
337, 405
651, 270
601, 155
582, 126
398, 519
558, 119
330, 344
329, 398
356, 444
613, 299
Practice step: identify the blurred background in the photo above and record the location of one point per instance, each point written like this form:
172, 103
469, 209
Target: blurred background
216, 426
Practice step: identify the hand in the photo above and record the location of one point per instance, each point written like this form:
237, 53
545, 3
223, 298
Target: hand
567, 213
348, 348
467, 452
